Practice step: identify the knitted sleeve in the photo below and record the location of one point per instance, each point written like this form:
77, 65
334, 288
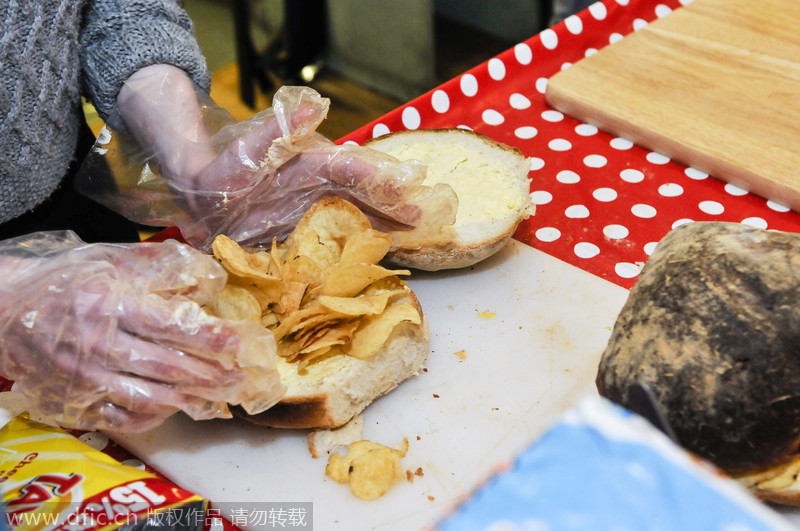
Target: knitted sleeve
121, 36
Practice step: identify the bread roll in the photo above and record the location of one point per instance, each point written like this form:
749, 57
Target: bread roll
334, 390
712, 327
492, 185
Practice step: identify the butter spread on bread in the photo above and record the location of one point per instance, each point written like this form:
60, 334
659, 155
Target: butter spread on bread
490, 180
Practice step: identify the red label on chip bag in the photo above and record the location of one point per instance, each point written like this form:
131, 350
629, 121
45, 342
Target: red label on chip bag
51, 480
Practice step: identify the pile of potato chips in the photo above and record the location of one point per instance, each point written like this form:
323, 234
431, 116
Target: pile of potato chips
321, 291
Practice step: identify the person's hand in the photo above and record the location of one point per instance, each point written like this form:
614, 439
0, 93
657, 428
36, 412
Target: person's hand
253, 180
103, 336
199, 147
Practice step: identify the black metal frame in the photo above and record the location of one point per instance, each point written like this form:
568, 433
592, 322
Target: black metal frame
301, 42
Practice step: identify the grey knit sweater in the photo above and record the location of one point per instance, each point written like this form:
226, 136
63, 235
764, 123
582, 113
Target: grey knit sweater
52, 52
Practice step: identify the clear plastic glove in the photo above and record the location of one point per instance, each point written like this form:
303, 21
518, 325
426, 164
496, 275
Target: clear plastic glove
104, 336
172, 157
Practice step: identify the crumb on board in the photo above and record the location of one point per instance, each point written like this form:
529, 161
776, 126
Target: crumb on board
462, 354
410, 475
323, 441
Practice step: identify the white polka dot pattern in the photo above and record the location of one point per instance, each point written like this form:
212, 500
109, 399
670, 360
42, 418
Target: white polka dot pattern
523, 53
526, 132
519, 102
411, 118
469, 85
497, 70
568, 177
585, 129
440, 101
602, 202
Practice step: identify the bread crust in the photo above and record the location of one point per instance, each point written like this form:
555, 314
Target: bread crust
448, 255
307, 411
777, 484
455, 130
781, 497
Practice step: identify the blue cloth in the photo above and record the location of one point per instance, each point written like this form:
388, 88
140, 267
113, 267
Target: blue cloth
591, 474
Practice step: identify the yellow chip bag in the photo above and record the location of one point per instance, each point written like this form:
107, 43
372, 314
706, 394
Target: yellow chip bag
52, 480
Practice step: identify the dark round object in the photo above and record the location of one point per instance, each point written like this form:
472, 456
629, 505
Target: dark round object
712, 327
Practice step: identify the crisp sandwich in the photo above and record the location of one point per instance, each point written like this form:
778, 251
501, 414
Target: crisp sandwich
348, 329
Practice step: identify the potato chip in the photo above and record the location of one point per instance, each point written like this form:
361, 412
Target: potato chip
356, 306
309, 246
391, 283
369, 468
275, 261
289, 350
265, 297
235, 259
237, 304
338, 335
349, 280
292, 296
325, 318
294, 321
303, 269
375, 330
334, 221
314, 356
269, 319
260, 260
317, 356
306, 332
310, 338
366, 247
251, 267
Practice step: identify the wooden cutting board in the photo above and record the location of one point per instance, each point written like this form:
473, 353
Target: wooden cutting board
714, 85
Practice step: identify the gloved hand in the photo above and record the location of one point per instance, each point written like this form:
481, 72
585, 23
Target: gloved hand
104, 336
250, 180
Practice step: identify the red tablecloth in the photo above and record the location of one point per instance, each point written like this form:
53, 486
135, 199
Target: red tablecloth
602, 202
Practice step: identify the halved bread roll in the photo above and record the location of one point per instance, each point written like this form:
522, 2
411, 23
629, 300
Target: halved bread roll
778, 484
493, 189
333, 391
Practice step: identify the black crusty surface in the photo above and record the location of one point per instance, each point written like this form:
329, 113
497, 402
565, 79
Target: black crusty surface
712, 326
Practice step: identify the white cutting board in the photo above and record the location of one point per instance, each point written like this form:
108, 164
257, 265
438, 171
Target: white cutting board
524, 367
